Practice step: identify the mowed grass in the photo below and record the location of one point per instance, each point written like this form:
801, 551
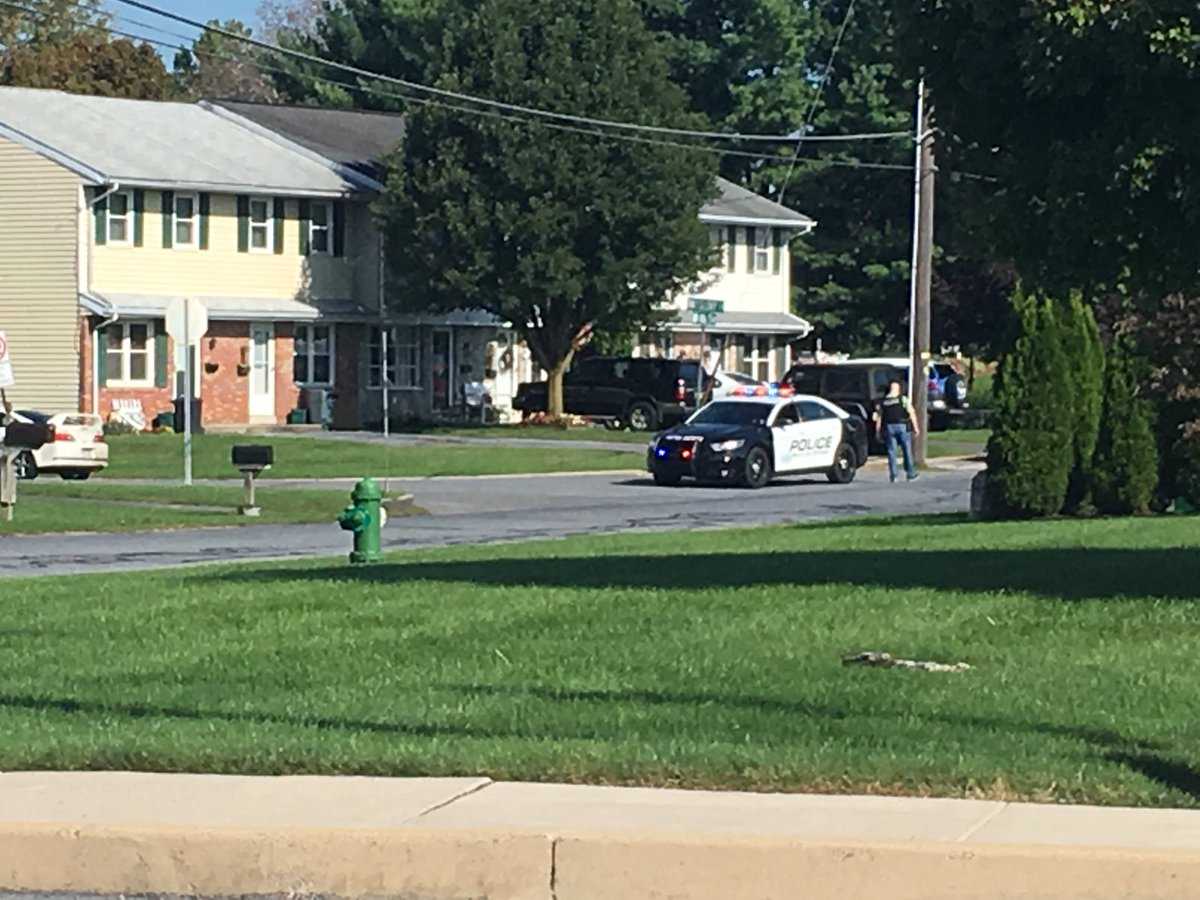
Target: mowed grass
704, 660
54, 506
538, 432
161, 456
964, 442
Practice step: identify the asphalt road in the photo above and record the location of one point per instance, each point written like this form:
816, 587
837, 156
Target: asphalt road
486, 510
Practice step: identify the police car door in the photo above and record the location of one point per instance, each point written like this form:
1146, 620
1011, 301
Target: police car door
786, 433
821, 432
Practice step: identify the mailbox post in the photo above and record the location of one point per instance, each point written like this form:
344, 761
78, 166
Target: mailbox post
251, 460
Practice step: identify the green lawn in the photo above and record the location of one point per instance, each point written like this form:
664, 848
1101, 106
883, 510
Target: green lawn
55, 506
540, 432
965, 442
161, 456
708, 659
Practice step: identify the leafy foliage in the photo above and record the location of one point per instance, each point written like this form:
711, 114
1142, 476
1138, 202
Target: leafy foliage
1085, 364
557, 232
1030, 454
1126, 462
221, 67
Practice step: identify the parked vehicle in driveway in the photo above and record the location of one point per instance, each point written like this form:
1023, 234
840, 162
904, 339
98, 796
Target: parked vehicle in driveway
749, 438
947, 387
642, 394
77, 450
725, 384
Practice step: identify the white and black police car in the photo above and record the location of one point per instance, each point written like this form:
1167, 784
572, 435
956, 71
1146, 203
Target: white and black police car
757, 433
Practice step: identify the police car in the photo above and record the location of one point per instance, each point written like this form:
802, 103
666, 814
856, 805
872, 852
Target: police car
758, 433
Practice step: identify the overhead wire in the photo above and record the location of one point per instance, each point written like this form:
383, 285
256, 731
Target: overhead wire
508, 107
424, 101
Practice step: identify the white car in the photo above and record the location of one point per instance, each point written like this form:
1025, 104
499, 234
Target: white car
724, 384
78, 448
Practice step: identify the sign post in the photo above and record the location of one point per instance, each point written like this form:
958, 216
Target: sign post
8, 461
187, 322
6, 370
704, 313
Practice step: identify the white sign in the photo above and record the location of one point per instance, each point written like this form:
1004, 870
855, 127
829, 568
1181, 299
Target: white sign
6, 369
196, 315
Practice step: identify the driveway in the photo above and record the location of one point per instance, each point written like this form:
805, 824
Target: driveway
511, 508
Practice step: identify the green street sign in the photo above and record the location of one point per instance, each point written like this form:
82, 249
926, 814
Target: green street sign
704, 318
702, 306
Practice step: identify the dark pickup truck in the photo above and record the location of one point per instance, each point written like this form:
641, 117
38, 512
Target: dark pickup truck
642, 394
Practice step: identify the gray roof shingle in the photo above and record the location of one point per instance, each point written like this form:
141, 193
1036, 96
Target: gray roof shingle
155, 144
738, 204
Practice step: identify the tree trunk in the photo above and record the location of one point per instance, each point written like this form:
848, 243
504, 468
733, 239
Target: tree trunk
555, 407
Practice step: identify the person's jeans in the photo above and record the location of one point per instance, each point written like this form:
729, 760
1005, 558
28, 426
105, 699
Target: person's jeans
898, 434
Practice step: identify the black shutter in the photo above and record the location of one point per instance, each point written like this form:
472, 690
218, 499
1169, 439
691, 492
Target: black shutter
100, 215
751, 248
280, 216
100, 336
243, 206
205, 204
339, 228
139, 208
168, 219
731, 248
305, 225
777, 239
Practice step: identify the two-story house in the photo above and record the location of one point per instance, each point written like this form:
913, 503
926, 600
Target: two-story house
110, 209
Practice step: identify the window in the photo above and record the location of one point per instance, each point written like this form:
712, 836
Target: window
403, 358
762, 250
845, 383
788, 415
129, 360
596, 370
120, 218
815, 412
313, 360
320, 229
187, 211
756, 358
261, 226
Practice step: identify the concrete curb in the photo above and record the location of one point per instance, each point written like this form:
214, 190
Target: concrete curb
113, 834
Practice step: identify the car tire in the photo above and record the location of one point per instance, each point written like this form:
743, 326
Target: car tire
75, 474
662, 479
614, 425
939, 421
756, 469
844, 465
26, 466
642, 417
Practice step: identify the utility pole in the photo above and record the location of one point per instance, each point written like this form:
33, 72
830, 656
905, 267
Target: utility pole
922, 272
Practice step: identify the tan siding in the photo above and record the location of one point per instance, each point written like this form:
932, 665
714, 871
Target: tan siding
221, 271
39, 305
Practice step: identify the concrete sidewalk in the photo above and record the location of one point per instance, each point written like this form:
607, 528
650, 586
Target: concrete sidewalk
452, 838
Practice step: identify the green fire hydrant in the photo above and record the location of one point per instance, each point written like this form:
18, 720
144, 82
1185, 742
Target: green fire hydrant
364, 517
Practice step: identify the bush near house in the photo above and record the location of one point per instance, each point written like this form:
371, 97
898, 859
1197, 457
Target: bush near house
1085, 365
1126, 464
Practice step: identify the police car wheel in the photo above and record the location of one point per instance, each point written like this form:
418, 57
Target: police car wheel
757, 470
843, 470
662, 479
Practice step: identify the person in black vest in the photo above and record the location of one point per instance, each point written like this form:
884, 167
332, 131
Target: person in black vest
893, 421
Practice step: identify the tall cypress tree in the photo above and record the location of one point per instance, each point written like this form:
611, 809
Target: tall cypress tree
1085, 367
1126, 461
1030, 452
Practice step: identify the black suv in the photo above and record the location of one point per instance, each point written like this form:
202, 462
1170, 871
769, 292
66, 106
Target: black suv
643, 394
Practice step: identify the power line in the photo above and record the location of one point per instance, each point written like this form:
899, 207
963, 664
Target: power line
518, 120
496, 104
816, 97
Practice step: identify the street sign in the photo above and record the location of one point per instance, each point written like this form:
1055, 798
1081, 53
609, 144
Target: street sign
701, 305
6, 369
704, 318
187, 320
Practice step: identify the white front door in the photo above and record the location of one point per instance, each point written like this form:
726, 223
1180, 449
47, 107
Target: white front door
262, 372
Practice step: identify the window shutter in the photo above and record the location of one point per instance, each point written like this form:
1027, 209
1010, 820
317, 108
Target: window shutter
243, 204
160, 356
731, 248
100, 338
168, 219
751, 248
305, 224
280, 215
777, 239
139, 208
100, 215
339, 228
205, 204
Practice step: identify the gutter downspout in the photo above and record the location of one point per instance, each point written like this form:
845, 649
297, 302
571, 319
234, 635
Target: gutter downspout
114, 315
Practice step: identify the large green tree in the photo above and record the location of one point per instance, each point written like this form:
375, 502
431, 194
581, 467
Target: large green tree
1085, 112
560, 233
223, 67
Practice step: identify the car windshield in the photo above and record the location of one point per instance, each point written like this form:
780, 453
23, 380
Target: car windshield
733, 413
38, 418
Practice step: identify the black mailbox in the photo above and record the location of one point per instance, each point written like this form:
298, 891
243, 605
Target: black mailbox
253, 456
28, 435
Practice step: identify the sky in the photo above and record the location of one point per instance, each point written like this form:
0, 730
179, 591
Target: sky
200, 10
